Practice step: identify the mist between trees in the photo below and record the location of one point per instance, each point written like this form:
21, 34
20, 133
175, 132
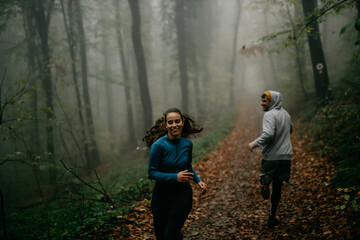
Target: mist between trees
82, 81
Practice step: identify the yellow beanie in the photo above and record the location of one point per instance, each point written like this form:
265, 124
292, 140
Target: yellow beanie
268, 95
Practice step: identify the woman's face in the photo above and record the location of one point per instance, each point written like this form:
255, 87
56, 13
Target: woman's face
174, 124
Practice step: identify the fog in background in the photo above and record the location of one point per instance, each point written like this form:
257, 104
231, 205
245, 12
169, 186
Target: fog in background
218, 68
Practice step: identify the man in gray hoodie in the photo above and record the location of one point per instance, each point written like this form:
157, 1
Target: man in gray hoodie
276, 150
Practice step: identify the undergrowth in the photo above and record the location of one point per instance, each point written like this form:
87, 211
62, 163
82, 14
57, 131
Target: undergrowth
336, 132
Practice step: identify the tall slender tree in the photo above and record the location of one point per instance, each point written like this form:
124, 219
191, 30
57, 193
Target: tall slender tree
28, 10
298, 54
192, 22
141, 65
94, 153
234, 53
42, 16
28, 13
71, 43
43, 10
124, 68
106, 74
181, 41
272, 65
316, 51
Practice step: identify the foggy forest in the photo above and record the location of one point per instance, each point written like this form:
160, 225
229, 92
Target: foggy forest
81, 83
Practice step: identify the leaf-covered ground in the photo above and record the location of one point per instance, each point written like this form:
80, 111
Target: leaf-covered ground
233, 207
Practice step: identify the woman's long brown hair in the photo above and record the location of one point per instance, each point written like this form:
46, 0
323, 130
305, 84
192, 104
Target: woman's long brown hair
159, 128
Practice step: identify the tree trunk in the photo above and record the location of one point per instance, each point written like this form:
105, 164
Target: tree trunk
297, 52
43, 20
3, 220
181, 40
358, 29
299, 14
95, 159
71, 43
141, 65
193, 30
124, 67
316, 51
204, 47
234, 54
108, 89
272, 65
30, 32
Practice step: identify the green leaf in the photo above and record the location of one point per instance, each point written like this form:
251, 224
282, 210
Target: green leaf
11, 101
343, 30
357, 25
342, 207
347, 197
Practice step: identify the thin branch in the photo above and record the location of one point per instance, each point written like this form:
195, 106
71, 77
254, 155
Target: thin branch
2, 107
69, 123
314, 18
2, 81
107, 197
303, 25
102, 187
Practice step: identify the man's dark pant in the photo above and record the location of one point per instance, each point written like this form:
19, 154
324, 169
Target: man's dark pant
275, 171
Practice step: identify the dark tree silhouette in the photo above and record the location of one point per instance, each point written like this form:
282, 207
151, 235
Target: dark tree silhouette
234, 53
124, 67
181, 40
71, 42
316, 51
42, 17
94, 154
141, 65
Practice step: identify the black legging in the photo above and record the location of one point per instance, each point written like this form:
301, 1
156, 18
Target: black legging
171, 204
275, 196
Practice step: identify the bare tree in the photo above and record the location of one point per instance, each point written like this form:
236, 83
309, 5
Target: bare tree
181, 40
106, 74
94, 153
141, 65
42, 17
28, 12
298, 54
316, 51
234, 53
124, 67
71, 43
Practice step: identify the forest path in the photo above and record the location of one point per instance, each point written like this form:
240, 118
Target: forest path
233, 207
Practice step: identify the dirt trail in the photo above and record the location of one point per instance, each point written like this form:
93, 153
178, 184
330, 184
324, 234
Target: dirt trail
234, 208
232, 175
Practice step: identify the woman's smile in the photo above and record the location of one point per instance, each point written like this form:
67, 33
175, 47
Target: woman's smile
174, 124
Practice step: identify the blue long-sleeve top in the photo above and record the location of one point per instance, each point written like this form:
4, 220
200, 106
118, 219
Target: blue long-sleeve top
169, 157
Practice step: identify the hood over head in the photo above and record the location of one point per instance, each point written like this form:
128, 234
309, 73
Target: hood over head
275, 100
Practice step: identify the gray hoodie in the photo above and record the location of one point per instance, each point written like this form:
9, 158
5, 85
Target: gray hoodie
277, 127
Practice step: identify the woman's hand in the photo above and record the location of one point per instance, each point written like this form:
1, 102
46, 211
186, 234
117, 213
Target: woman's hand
203, 187
185, 176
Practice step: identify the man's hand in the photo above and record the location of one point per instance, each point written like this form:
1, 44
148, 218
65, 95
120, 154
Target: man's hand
250, 147
203, 187
185, 176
